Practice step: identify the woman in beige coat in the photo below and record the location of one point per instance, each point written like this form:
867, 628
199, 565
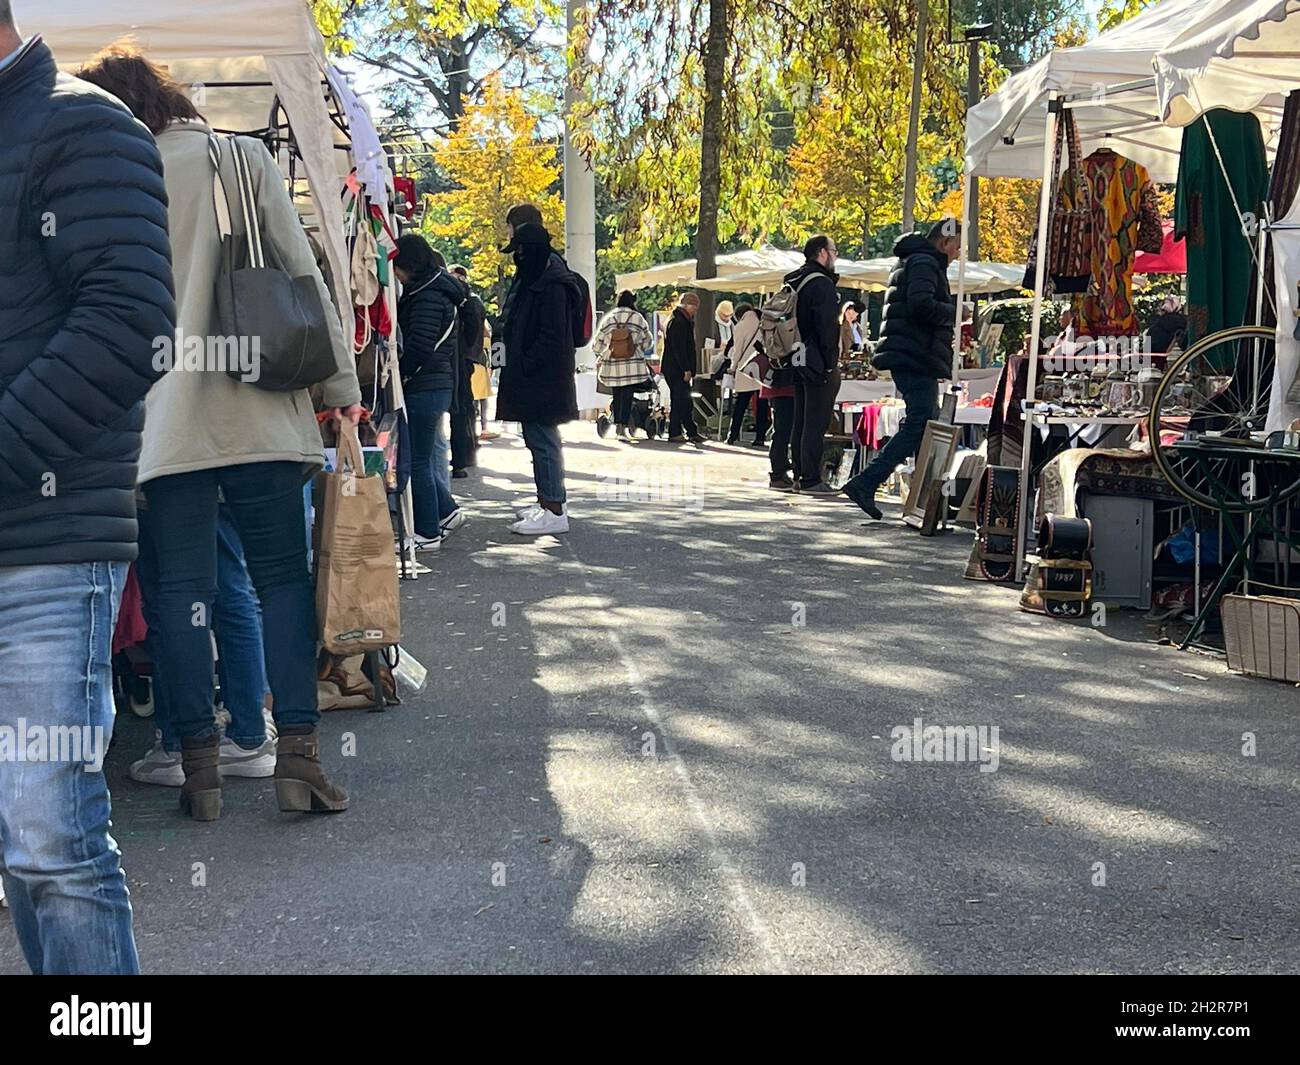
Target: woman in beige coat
208, 437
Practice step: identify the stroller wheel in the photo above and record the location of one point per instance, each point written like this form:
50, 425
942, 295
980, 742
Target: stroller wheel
602, 426
140, 696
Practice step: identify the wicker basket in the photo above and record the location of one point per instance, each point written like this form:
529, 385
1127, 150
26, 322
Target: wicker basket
1262, 636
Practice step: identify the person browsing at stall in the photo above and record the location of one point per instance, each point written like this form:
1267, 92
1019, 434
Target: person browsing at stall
915, 347
621, 344
209, 436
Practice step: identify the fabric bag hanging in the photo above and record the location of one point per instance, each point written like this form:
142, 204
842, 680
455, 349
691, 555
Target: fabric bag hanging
1069, 230
284, 316
357, 601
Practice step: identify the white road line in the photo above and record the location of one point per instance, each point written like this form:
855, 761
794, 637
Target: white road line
776, 962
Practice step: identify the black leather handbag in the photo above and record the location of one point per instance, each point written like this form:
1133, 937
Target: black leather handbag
276, 322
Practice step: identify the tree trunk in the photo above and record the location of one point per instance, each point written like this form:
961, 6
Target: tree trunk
914, 117
706, 233
455, 63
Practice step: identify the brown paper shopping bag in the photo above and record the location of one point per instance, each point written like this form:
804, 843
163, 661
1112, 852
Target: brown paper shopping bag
357, 602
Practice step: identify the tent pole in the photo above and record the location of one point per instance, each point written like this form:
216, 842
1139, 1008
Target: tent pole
1045, 198
961, 276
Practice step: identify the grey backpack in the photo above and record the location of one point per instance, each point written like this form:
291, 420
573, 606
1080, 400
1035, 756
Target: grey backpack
778, 327
279, 318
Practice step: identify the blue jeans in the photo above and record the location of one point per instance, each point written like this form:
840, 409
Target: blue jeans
548, 461
62, 870
236, 623
265, 500
921, 397
426, 413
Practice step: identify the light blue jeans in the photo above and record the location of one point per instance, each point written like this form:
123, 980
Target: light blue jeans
62, 870
548, 461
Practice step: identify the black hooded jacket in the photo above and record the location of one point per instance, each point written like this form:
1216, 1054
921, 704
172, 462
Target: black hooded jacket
429, 316
537, 382
818, 314
86, 291
679, 347
916, 330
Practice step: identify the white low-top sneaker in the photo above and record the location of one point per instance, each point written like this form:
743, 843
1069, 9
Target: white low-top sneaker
425, 543
237, 761
541, 523
453, 521
526, 512
159, 766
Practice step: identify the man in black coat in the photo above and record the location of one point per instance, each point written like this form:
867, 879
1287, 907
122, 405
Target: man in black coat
915, 347
537, 387
816, 366
428, 315
678, 369
86, 298
464, 443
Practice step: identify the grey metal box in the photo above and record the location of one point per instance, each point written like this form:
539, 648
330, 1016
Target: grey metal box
1123, 542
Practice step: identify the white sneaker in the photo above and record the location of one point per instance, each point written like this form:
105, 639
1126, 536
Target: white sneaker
424, 543
527, 512
541, 523
453, 521
271, 731
236, 761
159, 766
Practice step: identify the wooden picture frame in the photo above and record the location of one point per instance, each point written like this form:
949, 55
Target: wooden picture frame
925, 499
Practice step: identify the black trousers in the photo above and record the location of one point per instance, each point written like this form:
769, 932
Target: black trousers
813, 404
621, 404
740, 404
682, 415
464, 440
782, 426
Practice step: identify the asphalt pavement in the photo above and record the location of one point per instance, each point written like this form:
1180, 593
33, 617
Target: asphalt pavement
666, 743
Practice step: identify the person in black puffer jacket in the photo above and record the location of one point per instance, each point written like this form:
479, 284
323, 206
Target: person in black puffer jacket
915, 347
428, 315
816, 374
86, 293
537, 387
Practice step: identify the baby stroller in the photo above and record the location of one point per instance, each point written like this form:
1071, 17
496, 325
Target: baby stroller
649, 410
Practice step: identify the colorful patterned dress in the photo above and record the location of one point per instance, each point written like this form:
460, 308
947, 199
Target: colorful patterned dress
1120, 191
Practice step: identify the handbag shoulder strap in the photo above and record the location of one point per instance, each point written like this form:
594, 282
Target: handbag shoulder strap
232, 221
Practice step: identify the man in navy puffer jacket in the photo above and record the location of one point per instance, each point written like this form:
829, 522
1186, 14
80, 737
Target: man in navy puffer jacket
85, 292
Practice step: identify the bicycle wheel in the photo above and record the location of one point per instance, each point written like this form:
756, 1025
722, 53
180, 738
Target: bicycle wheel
1216, 391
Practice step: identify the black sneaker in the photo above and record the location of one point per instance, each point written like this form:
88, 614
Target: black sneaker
676, 439
866, 500
821, 488
783, 483
459, 474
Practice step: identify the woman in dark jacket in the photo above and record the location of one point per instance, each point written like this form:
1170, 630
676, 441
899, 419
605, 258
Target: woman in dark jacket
427, 315
537, 387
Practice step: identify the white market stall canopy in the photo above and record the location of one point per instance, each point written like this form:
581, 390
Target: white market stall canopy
207, 42
1116, 105
981, 278
1239, 54
766, 261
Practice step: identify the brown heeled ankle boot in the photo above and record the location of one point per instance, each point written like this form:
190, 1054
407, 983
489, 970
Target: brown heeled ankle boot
301, 785
201, 792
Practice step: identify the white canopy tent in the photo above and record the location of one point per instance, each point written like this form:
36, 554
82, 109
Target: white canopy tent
1245, 55
210, 42
1238, 54
766, 261
982, 278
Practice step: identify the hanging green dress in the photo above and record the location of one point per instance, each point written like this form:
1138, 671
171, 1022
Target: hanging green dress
1219, 260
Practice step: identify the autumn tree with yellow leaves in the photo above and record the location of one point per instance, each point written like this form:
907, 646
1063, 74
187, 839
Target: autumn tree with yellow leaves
495, 158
